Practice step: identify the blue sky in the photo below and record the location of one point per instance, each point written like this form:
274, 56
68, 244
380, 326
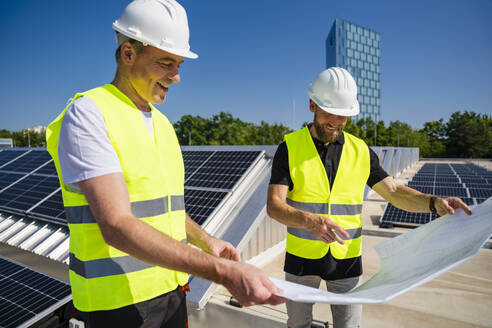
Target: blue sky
256, 57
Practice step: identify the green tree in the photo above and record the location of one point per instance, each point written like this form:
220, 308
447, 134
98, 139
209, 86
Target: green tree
5, 134
435, 136
469, 135
270, 134
224, 129
352, 128
24, 138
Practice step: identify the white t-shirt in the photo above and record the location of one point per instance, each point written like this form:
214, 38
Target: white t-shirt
84, 148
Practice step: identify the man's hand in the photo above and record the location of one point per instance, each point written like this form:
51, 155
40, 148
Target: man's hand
326, 230
448, 205
249, 285
201, 239
221, 248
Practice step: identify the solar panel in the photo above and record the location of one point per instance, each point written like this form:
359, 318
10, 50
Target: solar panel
28, 162
479, 185
48, 169
480, 193
8, 155
26, 193
26, 296
449, 184
51, 207
423, 176
7, 179
413, 184
478, 180
201, 203
222, 170
397, 216
450, 192
424, 189
466, 181
468, 200
193, 160
447, 179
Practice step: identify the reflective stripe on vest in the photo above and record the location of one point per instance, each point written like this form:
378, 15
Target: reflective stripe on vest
323, 208
141, 209
304, 234
108, 266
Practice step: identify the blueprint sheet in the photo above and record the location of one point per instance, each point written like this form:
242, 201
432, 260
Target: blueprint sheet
411, 259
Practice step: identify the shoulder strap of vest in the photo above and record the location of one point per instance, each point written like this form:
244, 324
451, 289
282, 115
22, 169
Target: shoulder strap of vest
297, 133
354, 139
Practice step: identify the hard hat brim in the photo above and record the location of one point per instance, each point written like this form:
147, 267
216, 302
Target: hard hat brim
340, 111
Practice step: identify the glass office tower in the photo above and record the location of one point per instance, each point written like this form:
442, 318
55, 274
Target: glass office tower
357, 49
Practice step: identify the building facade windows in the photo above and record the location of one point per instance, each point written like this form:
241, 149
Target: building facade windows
357, 49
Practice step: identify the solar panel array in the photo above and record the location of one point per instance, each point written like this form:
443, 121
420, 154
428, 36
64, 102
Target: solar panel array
470, 182
29, 184
210, 176
26, 295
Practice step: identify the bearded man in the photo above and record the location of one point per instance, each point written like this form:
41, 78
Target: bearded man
319, 174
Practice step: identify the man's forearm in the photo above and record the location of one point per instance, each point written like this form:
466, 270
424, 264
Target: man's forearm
142, 241
410, 200
289, 216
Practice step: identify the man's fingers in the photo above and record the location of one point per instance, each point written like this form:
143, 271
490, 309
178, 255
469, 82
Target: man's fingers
458, 203
235, 255
335, 237
275, 300
443, 205
272, 288
333, 226
326, 238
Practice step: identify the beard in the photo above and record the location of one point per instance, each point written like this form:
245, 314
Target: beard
323, 135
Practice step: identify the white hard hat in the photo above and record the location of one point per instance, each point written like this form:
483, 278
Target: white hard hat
334, 90
160, 23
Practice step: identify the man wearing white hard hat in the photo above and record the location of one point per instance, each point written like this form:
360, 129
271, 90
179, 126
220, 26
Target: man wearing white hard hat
319, 174
122, 177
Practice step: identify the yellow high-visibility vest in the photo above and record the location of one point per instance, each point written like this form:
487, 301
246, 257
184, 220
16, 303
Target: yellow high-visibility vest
103, 277
311, 193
